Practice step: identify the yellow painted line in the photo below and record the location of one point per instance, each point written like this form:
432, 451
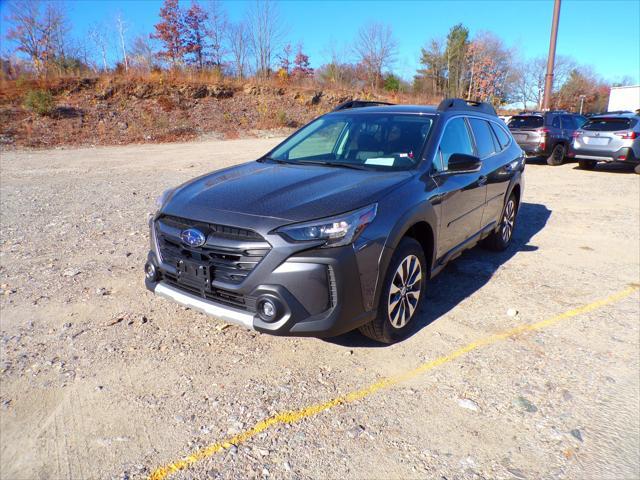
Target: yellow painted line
293, 416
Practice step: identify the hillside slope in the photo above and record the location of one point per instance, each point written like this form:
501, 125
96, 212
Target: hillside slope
93, 111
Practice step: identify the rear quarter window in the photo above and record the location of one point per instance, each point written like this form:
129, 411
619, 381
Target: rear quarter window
609, 124
526, 121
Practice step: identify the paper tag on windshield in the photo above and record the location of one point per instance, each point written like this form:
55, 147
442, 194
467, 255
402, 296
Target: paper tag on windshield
382, 161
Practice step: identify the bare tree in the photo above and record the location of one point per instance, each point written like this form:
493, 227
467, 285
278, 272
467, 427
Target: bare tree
121, 27
217, 26
141, 53
25, 30
376, 49
99, 36
336, 68
266, 32
39, 32
238, 38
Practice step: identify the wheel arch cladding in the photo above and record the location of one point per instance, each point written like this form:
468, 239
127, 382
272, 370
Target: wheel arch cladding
516, 192
423, 233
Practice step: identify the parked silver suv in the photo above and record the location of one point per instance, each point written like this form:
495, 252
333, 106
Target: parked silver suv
608, 138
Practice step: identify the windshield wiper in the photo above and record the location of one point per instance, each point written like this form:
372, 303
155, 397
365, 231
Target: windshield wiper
353, 166
275, 160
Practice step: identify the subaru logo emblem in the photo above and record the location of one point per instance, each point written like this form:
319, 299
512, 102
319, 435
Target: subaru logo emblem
193, 237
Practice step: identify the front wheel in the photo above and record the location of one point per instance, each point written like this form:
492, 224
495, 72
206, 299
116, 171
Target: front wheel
557, 155
501, 237
402, 294
637, 169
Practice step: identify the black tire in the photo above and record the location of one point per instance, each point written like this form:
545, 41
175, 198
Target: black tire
637, 169
382, 328
501, 237
587, 164
557, 155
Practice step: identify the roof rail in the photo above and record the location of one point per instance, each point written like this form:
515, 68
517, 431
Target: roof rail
469, 105
359, 104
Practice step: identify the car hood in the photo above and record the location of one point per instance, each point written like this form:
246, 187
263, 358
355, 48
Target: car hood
286, 192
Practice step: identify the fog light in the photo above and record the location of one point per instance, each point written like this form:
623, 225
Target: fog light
150, 271
268, 309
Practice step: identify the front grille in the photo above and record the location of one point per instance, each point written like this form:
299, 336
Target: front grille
333, 287
225, 297
230, 252
218, 230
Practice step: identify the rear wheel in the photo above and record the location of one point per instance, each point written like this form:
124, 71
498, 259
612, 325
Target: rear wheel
501, 237
557, 155
637, 169
402, 294
587, 164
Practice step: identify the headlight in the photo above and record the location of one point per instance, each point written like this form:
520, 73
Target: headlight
162, 199
335, 231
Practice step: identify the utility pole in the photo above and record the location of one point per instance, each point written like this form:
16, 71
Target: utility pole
548, 80
582, 97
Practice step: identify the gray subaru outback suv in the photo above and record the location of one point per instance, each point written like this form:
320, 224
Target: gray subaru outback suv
341, 225
608, 138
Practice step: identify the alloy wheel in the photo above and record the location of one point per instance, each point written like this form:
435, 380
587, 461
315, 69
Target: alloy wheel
405, 290
508, 221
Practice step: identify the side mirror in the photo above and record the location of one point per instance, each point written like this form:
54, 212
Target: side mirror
461, 162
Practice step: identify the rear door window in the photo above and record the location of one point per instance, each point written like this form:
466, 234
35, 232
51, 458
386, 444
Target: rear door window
608, 124
483, 136
526, 121
455, 139
569, 122
556, 121
503, 137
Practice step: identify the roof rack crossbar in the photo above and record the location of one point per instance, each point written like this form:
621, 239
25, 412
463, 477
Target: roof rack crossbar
359, 104
468, 105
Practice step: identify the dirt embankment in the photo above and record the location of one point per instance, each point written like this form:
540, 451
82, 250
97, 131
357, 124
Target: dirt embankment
116, 111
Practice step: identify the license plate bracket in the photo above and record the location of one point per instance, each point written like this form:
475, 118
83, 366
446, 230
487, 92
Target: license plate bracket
193, 274
596, 140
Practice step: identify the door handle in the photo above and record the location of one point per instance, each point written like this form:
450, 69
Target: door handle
482, 180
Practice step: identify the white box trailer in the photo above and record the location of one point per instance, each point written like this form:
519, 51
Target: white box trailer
624, 98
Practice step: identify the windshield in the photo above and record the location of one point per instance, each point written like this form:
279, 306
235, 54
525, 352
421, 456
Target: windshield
364, 140
608, 124
526, 121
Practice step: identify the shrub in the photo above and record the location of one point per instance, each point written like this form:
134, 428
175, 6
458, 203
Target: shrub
391, 83
282, 119
39, 101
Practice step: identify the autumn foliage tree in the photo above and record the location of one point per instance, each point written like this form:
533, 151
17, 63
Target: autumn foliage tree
195, 21
171, 32
301, 65
488, 67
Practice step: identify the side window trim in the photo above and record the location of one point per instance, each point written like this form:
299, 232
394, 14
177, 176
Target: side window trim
496, 143
472, 137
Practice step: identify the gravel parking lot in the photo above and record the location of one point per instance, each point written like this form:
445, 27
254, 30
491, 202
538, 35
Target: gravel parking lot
99, 379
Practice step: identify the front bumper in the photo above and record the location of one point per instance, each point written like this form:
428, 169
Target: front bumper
318, 292
231, 315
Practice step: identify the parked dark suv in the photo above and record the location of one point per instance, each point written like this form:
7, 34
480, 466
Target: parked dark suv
342, 224
546, 134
